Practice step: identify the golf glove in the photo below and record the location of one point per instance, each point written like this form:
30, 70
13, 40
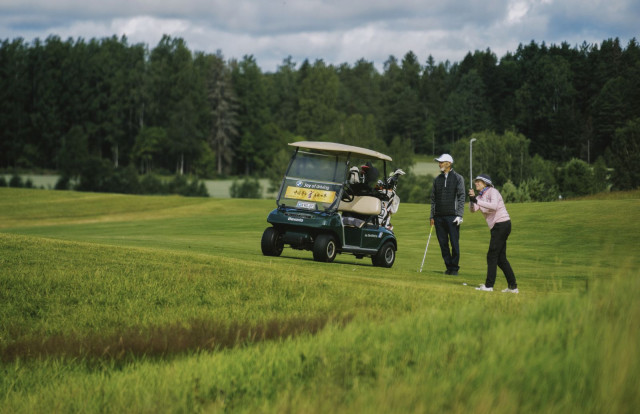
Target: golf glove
458, 220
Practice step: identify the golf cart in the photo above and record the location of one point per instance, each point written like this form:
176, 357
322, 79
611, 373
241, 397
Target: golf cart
331, 202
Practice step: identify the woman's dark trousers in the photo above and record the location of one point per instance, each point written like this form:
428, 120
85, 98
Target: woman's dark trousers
497, 255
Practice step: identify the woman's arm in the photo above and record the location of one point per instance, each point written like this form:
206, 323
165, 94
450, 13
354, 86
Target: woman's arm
489, 200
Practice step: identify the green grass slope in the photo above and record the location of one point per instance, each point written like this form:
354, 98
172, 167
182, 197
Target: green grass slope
143, 304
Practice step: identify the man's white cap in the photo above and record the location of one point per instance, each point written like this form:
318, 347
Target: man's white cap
445, 157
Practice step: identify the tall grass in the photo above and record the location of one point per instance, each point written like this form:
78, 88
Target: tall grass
152, 304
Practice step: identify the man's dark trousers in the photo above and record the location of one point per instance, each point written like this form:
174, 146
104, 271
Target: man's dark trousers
448, 232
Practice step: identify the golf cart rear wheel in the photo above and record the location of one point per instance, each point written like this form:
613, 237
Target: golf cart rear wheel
325, 248
271, 243
385, 256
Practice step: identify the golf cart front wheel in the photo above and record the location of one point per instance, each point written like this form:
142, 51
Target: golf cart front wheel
385, 256
325, 248
271, 243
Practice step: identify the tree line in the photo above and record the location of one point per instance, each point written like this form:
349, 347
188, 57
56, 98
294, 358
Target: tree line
67, 105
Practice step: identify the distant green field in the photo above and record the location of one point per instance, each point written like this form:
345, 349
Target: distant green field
425, 165
113, 303
215, 188
46, 181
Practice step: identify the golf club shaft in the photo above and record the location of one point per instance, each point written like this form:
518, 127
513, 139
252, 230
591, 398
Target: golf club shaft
471, 162
425, 249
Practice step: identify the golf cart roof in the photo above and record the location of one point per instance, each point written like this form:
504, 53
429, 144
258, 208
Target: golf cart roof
341, 149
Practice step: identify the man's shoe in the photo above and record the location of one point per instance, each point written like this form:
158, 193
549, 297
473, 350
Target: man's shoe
507, 290
453, 272
447, 272
484, 288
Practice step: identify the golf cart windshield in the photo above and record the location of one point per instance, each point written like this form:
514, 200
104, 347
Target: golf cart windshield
313, 181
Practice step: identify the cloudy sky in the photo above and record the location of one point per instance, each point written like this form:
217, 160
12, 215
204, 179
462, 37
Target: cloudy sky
337, 31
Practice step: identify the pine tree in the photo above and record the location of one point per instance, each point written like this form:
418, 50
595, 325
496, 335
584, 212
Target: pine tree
224, 111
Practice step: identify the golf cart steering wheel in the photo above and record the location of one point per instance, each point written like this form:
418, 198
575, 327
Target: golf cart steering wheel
348, 195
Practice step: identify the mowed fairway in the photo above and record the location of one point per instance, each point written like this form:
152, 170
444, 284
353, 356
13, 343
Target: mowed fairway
113, 303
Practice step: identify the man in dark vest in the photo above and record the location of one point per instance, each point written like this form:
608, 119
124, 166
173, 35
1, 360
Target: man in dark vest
447, 208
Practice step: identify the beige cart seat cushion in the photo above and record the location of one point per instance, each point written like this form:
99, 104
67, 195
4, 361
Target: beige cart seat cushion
365, 205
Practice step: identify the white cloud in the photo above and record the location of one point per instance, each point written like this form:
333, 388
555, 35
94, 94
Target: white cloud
143, 26
517, 10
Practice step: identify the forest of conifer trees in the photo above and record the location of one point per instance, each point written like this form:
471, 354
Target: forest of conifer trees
71, 103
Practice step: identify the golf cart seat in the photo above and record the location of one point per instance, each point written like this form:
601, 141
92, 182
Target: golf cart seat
363, 205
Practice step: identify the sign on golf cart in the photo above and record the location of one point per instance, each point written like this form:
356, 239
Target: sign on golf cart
331, 202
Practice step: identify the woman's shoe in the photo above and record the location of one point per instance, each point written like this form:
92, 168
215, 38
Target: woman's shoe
484, 288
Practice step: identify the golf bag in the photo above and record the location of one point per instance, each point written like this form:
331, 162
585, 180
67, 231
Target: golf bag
389, 198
